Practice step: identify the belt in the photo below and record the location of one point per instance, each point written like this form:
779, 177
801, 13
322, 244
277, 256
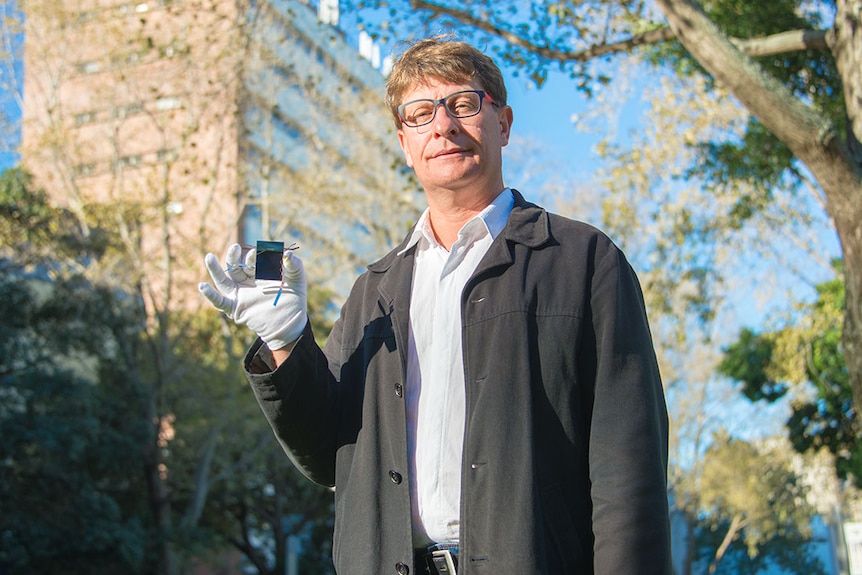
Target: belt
437, 560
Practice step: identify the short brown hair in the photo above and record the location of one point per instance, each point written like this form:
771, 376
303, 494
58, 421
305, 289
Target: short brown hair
442, 59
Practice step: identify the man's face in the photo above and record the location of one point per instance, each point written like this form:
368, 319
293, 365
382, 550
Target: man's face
455, 154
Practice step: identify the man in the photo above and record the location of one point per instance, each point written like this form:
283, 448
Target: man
488, 400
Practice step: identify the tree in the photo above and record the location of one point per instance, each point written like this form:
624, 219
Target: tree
751, 494
70, 451
267, 502
736, 505
806, 361
71, 438
72, 401
798, 80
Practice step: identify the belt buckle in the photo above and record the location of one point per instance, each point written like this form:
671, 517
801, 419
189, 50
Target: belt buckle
443, 562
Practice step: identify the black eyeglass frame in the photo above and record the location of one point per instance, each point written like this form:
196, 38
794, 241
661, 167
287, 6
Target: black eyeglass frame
482, 97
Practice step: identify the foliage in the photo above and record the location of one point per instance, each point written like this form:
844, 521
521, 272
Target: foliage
752, 500
71, 442
77, 411
249, 484
738, 480
807, 356
266, 502
73, 422
28, 221
748, 361
788, 553
758, 159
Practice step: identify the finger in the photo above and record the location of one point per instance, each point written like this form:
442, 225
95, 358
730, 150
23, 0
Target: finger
249, 264
292, 268
218, 301
233, 266
233, 255
221, 281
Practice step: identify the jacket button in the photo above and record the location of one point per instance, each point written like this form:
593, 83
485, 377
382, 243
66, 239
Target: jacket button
395, 477
402, 568
399, 390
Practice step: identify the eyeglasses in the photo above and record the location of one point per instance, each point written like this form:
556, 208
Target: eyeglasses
462, 104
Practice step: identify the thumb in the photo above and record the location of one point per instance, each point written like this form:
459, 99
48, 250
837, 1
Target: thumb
292, 268
219, 301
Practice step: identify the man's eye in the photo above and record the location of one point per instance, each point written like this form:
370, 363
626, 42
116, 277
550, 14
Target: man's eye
420, 114
463, 105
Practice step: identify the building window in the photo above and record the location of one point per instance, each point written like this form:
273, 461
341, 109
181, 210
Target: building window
166, 155
84, 17
90, 67
128, 110
128, 161
172, 49
168, 103
85, 169
286, 128
85, 118
327, 12
122, 60
251, 226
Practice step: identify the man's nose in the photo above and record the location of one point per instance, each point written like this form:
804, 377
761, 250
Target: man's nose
444, 123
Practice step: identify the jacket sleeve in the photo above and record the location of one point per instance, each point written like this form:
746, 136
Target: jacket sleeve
300, 401
629, 429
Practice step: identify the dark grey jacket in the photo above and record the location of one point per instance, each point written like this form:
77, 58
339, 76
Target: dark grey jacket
565, 446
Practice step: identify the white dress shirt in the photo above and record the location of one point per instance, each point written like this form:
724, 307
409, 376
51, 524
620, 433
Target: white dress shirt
435, 369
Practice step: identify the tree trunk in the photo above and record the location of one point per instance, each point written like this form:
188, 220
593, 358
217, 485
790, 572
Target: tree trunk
835, 162
690, 544
201, 485
734, 528
846, 47
159, 502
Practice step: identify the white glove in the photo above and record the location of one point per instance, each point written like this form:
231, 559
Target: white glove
275, 311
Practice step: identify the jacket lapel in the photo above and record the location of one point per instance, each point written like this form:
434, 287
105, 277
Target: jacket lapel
527, 224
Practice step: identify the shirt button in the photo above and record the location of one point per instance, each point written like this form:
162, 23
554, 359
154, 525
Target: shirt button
402, 568
395, 477
399, 390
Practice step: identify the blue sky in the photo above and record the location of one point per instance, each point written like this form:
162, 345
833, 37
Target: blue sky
8, 108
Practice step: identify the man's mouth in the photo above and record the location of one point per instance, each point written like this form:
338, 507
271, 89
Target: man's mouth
450, 152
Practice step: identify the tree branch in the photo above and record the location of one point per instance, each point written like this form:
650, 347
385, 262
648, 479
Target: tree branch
784, 42
810, 136
734, 528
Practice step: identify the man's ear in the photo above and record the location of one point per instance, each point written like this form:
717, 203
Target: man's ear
506, 118
401, 140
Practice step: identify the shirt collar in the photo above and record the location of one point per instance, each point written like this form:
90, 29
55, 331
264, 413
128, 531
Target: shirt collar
493, 218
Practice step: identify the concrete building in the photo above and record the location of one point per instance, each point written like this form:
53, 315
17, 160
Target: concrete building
187, 125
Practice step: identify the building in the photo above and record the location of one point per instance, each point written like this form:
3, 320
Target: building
187, 125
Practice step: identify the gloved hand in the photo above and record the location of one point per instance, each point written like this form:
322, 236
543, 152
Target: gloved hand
275, 311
